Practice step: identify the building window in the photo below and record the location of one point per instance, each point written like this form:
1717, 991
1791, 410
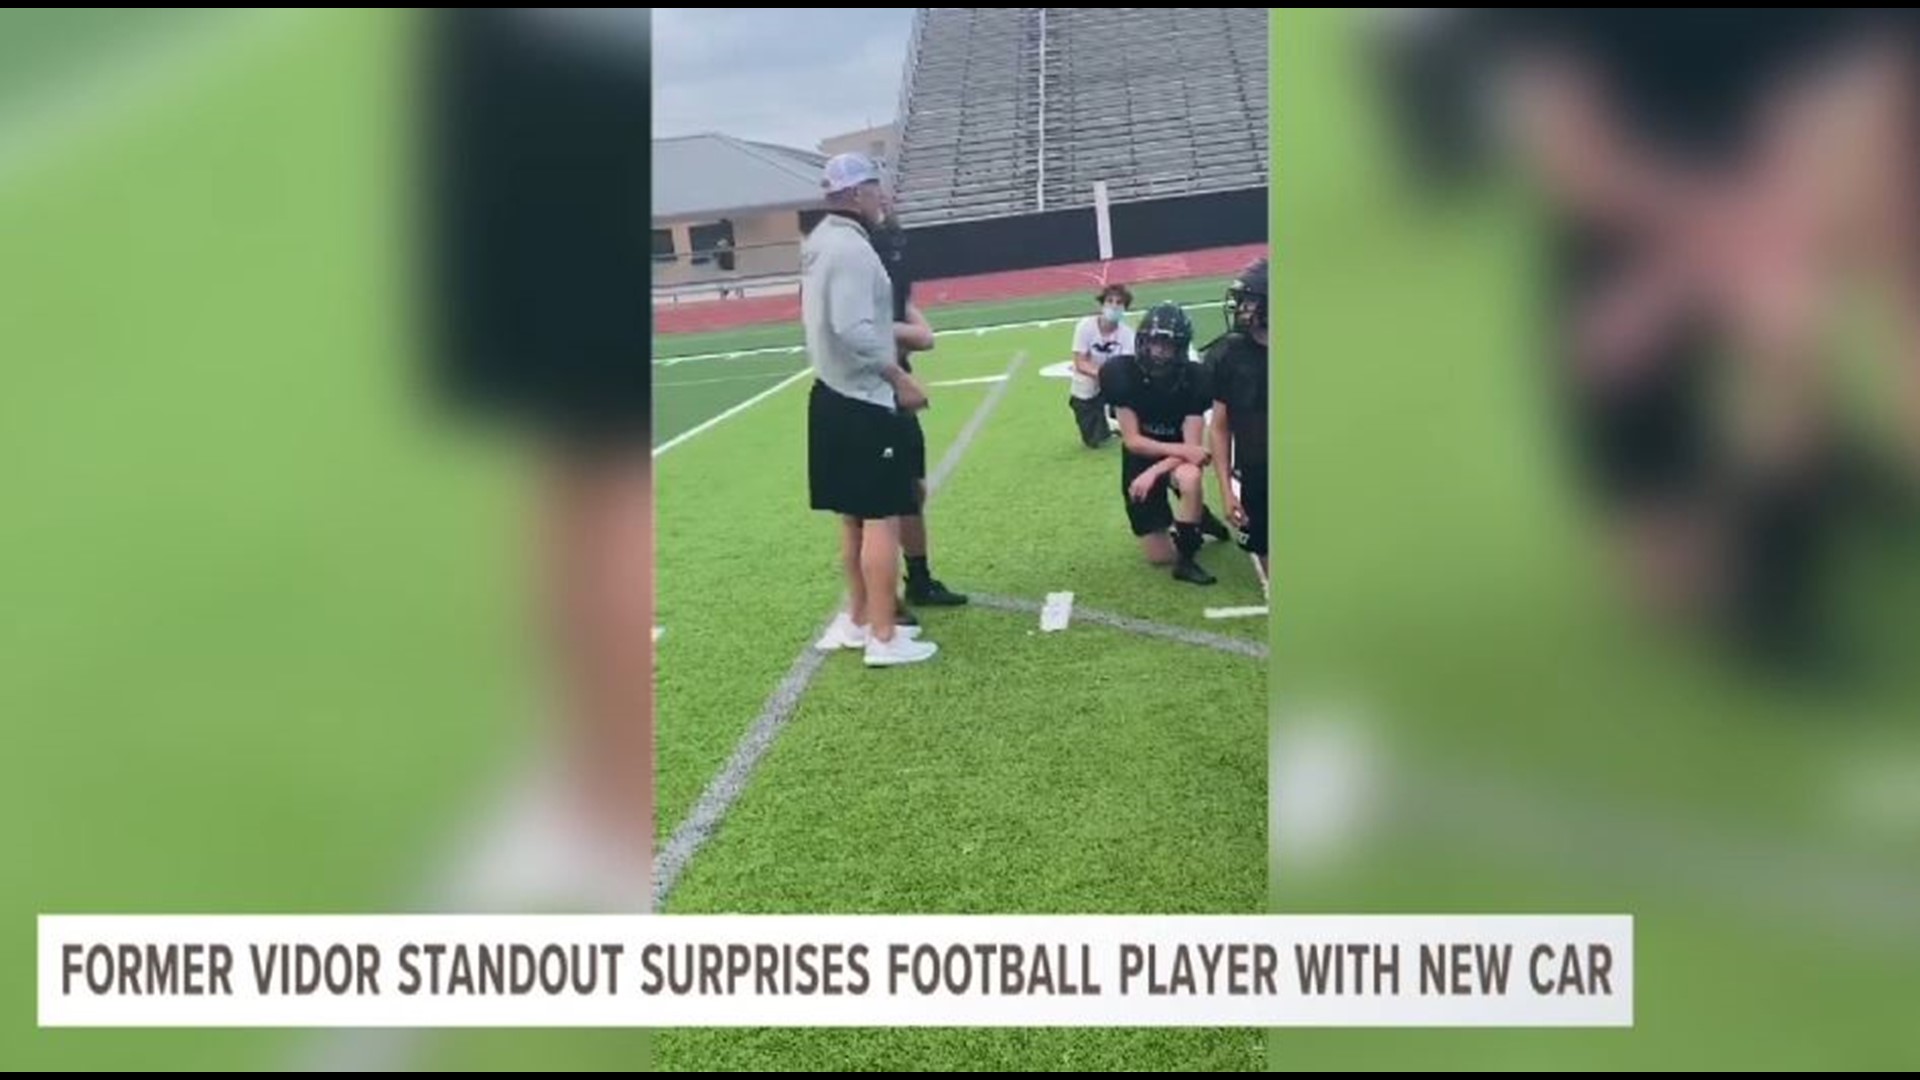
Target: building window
663, 245
713, 243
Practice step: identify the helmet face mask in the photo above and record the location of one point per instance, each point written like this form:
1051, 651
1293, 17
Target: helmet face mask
1158, 350
1246, 303
1164, 336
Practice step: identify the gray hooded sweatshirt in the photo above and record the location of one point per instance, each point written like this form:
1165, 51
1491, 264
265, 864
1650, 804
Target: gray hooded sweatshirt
846, 306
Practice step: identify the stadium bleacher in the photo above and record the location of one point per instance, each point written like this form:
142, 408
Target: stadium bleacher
1019, 110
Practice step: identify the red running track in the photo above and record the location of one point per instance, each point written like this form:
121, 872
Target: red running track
1007, 285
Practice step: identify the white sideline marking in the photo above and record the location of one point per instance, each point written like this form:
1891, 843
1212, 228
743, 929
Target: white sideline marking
976, 331
1236, 612
1056, 613
669, 361
761, 377
732, 412
710, 810
657, 631
970, 382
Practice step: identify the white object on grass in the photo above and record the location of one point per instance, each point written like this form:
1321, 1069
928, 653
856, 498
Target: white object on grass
1056, 612
1236, 612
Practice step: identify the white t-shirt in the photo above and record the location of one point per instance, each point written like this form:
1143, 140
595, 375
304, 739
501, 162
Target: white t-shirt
1101, 348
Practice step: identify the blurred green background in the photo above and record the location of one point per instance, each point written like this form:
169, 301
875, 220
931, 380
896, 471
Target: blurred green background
264, 632
1468, 718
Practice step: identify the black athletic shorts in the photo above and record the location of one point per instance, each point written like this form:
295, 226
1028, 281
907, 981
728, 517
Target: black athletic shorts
1253, 499
857, 457
1154, 513
916, 445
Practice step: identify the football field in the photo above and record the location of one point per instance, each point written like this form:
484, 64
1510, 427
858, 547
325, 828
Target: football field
266, 626
1118, 765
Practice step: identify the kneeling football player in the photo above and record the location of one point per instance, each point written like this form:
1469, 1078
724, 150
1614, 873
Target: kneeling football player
1161, 397
1237, 373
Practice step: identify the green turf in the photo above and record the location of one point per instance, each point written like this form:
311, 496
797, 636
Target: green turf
40, 47
1016, 772
1439, 577
951, 316
700, 375
690, 393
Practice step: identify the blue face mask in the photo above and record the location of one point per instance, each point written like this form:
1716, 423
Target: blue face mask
1114, 313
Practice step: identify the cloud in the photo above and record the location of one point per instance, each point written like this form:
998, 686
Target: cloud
791, 76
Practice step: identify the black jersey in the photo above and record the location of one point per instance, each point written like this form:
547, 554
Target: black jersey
1162, 399
891, 245
1237, 373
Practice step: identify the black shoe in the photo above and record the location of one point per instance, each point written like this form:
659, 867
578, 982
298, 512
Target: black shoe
1192, 573
902, 616
1214, 527
931, 593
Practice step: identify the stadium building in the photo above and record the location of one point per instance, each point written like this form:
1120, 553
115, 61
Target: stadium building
1028, 146
729, 213
1017, 121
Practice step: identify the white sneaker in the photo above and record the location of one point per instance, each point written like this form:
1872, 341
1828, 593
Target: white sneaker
905, 648
847, 634
844, 633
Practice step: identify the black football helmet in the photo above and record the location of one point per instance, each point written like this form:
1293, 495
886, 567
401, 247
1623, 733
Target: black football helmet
1246, 304
1165, 335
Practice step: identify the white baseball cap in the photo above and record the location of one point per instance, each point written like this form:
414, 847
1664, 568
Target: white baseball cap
845, 171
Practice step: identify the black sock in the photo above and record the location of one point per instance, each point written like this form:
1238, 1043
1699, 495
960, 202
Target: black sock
917, 572
1186, 538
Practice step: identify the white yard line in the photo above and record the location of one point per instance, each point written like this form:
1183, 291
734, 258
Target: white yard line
736, 410
710, 810
973, 331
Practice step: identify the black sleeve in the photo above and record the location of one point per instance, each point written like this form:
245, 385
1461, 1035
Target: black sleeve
1200, 390
1218, 371
903, 276
1116, 382
892, 249
902, 295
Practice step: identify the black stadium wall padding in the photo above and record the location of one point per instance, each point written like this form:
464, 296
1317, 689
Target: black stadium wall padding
1060, 237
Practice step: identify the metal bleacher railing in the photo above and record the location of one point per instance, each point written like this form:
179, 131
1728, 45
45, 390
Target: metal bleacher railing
769, 269
1012, 110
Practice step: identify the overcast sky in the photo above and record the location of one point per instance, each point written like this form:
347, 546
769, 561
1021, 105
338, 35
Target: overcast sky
780, 75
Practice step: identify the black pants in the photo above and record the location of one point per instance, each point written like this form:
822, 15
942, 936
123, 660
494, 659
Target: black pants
1090, 416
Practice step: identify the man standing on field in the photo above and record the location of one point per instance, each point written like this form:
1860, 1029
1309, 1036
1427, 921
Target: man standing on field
857, 433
